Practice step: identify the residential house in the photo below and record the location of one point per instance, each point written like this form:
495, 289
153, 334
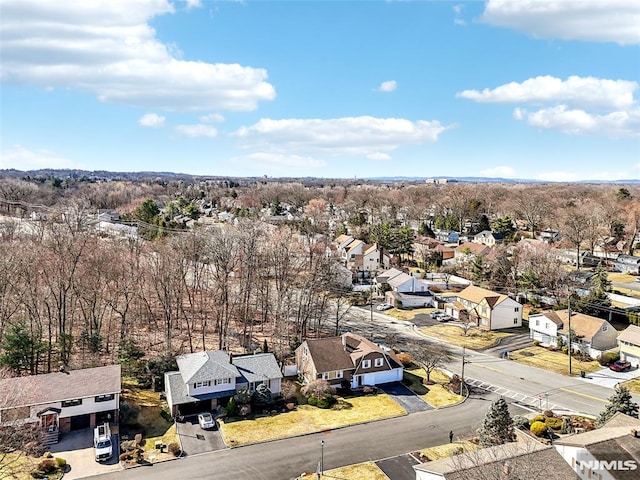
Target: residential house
394, 280
372, 259
349, 252
608, 453
627, 264
468, 250
549, 236
448, 236
592, 335
488, 238
629, 345
428, 249
206, 378
341, 243
486, 309
511, 461
348, 357
63, 401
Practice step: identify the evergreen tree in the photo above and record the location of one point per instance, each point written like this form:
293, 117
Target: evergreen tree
21, 350
620, 401
497, 427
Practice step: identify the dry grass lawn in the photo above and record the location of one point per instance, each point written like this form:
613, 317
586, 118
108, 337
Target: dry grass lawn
435, 395
448, 450
621, 277
309, 419
153, 455
407, 314
476, 339
633, 385
18, 466
557, 362
359, 471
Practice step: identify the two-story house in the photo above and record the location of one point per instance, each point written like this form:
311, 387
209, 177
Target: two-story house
488, 238
372, 259
206, 378
349, 357
629, 345
627, 264
590, 334
62, 401
486, 309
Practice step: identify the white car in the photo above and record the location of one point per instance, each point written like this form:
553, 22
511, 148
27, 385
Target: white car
206, 421
384, 306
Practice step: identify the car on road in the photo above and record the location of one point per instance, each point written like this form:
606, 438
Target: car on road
384, 306
206, 421
620, 366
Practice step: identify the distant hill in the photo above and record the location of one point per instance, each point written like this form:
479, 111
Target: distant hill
102, 175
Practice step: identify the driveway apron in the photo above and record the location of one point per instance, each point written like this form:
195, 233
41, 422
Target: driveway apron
195, 440
405, 397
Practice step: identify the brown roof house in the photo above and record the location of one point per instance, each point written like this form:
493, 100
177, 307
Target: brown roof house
349, 357
594, 335
526, 459
487, 309
62, 401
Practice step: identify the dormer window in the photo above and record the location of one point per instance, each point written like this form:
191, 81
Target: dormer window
378, 362
366, 364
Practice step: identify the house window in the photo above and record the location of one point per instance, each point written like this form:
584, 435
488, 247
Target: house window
515, 321
546, 324
378, 362
72, 403
366, 364
202, 384
537, 323
332, 375
305, 351
222, 381
604, 328
516, 309
104, 398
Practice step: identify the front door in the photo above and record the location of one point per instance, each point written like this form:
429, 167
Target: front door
49, 421
360, 380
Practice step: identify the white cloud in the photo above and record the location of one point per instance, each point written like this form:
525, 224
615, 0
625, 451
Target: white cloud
211, 118
457, 10
109, 49
197, 130
193, 4
21, 158
592, 20
502, 172
579, 91
379, 156
619, 124
388, 86
279, 161
459, 21
151, 120
349, 135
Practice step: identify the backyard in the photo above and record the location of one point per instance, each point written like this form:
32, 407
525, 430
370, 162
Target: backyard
554, 361
309, 419
475, 339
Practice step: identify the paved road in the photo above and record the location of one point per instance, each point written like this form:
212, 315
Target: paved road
286, 459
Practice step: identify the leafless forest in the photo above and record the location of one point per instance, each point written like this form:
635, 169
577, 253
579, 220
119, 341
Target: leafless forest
74, 296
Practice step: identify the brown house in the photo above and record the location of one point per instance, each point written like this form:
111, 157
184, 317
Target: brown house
349, 357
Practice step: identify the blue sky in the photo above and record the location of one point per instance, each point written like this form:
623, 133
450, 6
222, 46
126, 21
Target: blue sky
535, 89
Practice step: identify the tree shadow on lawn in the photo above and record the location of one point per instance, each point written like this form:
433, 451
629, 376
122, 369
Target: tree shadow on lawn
414, 383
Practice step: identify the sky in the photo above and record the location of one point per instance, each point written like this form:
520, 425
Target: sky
525, 89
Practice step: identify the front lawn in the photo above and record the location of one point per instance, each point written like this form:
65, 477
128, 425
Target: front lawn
435, 395
359, 471
447, 450
407, 314
18, 466
554, 361
475, 339
633, 385
308, 419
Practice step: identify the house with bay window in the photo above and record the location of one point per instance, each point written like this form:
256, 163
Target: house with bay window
349, 357
205, 379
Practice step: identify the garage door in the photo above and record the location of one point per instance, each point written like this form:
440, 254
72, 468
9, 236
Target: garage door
635, 361
80, 422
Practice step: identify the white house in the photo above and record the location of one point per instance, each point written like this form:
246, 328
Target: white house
488, 238
63, 401
372, 259
488, 310
205, 378
592, 335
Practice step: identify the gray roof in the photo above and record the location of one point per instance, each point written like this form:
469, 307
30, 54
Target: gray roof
257, 368
203, 366
58, 386
179, 395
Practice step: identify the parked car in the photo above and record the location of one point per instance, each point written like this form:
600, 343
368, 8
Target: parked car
102, 445
620, 366
444, 318
384, 306
206, 421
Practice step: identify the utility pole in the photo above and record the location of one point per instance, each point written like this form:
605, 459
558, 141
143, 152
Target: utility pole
569, 323
462, 377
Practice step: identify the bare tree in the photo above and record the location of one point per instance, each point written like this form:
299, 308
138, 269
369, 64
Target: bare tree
430, 357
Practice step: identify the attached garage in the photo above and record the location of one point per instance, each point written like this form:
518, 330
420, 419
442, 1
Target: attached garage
632, 359
80, 422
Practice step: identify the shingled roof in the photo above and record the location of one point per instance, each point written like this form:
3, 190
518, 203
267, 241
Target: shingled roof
203, 366
328, 354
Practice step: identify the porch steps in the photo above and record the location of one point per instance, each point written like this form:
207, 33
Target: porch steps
50, 438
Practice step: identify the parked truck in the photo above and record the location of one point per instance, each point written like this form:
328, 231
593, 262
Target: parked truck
102, 444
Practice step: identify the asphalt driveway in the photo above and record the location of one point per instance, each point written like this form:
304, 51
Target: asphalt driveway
399, 468
77, 449
405, 397
195, 440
